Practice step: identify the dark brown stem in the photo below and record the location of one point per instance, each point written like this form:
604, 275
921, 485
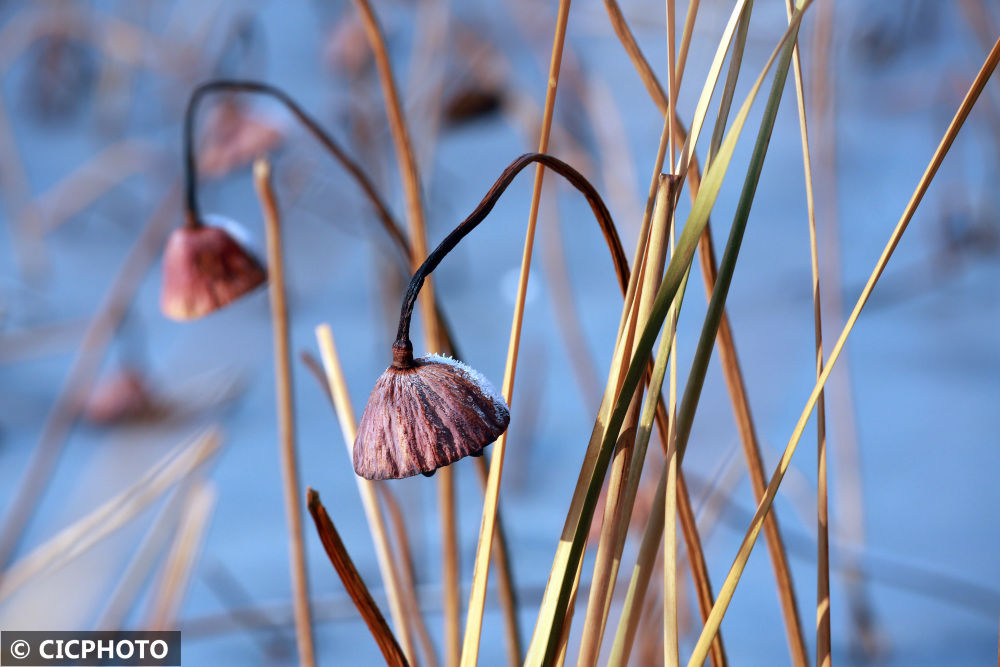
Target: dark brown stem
402, 349
193, 216
353, 582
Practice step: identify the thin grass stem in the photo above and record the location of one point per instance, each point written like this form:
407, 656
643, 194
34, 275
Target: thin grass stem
505, 591
286, 412
435, 337
570, 549
618, 500
732, 579
823, 648
849, 493
367, 490
726, 345
480, 576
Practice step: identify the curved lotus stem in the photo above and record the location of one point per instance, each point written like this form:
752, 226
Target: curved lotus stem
402, 348
235, 85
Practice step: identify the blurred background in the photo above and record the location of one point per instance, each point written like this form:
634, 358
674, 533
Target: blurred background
97, 387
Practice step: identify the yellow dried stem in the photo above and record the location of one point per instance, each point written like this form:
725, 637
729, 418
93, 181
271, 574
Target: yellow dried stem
404, 565
607, 558
286, 413
435, 339
732, 579
480, 575
727, 350
823, 657
366, 489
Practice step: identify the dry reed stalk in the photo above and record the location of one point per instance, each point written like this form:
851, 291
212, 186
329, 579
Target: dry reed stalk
702, 584
732, 579
564, 640
850, 498
670, 638
82, 372
618, 495
179, 463
736, 386
698, 570
404, 565
689, 19
727, 353
367, 490
615, 375
650, 631
353, 583
670, 649
450, 566
646, 564
481, 571
501, 560
176, 574
671, 79
823, 658
92, 179
286, 412
402, 556
623, 347
435, 336
696, 563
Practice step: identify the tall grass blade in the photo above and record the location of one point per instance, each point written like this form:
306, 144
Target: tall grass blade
570, 549
823, 657
481, 571
732, 579
629, 454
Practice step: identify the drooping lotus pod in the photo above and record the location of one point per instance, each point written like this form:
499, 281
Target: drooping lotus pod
424, 414
205, 267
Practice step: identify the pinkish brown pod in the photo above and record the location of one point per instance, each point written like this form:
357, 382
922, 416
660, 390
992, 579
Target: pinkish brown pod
424, 414
205, 268
120, 397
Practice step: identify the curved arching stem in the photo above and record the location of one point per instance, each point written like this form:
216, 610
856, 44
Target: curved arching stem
402, 348
321, 135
